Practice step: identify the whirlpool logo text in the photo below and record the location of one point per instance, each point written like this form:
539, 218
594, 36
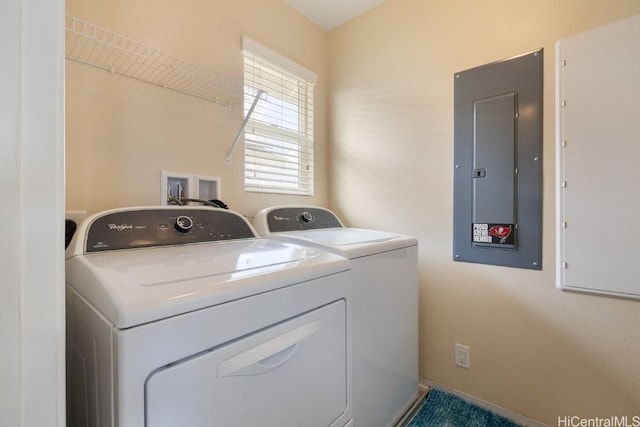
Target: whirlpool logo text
120, 227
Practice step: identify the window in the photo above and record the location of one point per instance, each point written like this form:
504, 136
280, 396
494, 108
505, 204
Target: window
278, 138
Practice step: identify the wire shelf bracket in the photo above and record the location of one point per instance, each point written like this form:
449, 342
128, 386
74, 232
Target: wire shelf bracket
244, 125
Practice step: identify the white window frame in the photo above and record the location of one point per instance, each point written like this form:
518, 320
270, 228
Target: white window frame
278, 138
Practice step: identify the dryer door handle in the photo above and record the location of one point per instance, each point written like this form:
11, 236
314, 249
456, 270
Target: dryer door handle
269, 355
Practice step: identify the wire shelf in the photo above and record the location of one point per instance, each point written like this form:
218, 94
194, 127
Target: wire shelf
92, 45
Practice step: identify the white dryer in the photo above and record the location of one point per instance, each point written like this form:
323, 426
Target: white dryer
182, 316
384, 304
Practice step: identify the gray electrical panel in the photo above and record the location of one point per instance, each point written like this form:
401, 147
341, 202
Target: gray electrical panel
497, 212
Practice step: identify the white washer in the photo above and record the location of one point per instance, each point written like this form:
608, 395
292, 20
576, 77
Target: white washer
384, 304
181, 316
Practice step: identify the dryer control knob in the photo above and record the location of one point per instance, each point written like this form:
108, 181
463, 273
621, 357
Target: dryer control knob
183, 223
306, 216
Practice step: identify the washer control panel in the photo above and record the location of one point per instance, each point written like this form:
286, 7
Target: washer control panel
143, 228
300, 218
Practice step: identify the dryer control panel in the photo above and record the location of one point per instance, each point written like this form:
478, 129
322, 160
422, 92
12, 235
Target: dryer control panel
142, 228
295, 218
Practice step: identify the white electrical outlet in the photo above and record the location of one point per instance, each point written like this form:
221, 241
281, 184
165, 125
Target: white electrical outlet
463, 356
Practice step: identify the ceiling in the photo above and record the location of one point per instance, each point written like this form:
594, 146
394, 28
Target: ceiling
328, 14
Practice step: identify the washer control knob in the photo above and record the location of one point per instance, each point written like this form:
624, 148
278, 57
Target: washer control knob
183, 223
306, 216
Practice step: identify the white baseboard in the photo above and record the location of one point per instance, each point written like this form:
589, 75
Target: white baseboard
516, 418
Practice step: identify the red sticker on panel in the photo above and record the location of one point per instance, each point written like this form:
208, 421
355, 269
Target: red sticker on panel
502, 234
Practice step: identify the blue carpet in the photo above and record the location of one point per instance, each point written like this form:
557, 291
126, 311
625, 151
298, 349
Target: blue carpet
441, 409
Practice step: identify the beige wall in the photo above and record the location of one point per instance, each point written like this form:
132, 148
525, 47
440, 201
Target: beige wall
534, 349
121, 133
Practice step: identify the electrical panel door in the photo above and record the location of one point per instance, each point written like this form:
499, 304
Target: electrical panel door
497, 163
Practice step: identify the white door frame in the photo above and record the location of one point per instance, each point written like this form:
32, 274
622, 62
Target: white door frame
32, 213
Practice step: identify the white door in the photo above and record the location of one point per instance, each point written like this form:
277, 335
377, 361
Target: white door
32, 191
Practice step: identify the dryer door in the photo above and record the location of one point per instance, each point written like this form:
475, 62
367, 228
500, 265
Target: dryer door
291, 374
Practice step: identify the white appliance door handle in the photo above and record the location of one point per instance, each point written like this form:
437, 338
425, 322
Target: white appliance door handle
269, 355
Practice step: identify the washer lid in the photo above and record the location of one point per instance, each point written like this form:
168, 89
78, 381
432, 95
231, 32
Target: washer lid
138, 286
349, 242
316, 226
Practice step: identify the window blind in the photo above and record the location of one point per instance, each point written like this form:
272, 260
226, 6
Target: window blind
278, 138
